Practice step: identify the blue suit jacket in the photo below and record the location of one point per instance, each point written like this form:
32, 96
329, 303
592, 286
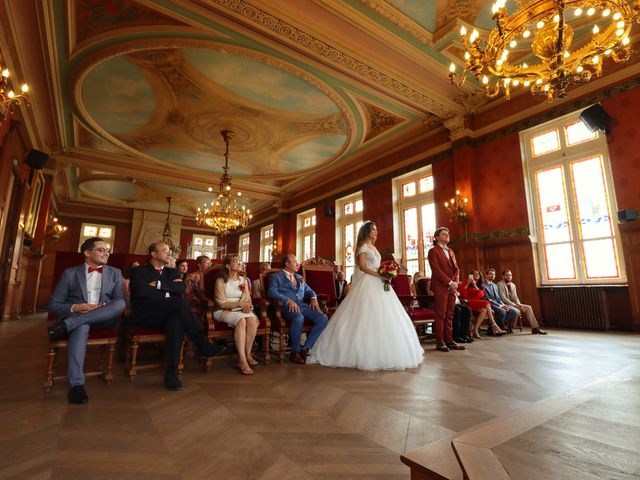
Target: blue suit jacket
281, 288
72, 289
491, 293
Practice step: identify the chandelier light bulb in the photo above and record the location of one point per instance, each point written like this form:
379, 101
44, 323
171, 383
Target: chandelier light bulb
11, 94
513, 44
5, 73
516, 83
620, 24
617, 16
463, 30
538, 81
527, 83
619, 32
228, 187
24, 88
556, 18
467, 55
606, 12
625, 41
526, 34
591, 11
607, 52
578, 12
524, 65
210, 189
540, 24
566, 54
452, 67
595, 29
239, 194
595, 59
485, 79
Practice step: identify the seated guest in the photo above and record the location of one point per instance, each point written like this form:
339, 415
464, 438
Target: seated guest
341, 287
509, 296
289, 287
414, 281
127, 278
461, 323
472, 290
87, 296
183, 269
194, 285
156, 302
234, 307
504, 314
172, 262
243, 272
257, 291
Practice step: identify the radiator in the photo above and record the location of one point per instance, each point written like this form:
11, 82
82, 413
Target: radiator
581, 307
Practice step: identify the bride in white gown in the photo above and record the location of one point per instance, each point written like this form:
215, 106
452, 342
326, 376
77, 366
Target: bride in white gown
370, 330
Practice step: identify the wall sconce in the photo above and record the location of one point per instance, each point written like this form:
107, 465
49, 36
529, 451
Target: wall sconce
274, 250
8, 97
457, 210
54, 229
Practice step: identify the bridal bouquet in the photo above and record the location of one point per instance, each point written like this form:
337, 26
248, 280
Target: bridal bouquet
388, 270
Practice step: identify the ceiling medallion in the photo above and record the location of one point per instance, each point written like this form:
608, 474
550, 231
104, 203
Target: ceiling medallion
541, 35
223, 215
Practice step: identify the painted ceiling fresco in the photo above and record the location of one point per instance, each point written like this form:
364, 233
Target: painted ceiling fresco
312, 88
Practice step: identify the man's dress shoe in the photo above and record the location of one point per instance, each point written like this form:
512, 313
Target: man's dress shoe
171, 380
538, 331
454, 346
296, 357
57, 331
78, 395
441, 347
208, 349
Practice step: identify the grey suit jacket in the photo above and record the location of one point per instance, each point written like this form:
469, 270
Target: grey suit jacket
509, 298
72, 289
491, 293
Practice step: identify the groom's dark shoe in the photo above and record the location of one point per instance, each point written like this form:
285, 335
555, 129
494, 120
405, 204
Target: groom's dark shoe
57, 331
296, 357
454, 346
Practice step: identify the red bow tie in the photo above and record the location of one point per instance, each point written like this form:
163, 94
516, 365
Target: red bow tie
95, 269
159, 270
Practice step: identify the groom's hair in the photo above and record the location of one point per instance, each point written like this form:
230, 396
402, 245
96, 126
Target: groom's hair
437, 233
90, 243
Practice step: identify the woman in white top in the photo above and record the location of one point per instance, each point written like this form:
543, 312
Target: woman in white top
370, 330
234, 307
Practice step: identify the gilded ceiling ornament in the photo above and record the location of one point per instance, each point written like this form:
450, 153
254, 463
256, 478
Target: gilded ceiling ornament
294, 34
472, 102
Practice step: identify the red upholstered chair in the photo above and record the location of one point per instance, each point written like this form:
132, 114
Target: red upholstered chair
105, 338
421, 317
318, 273
217, 330
278, 323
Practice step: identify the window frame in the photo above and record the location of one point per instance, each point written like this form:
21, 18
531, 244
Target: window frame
565, 157
342, 220
108, 240
266, 242
244, 248
196, 250
303, 232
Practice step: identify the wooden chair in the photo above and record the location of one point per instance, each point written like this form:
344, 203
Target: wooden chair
420, 317
218, 330
134, 337
105, 338
278, 323
319, 275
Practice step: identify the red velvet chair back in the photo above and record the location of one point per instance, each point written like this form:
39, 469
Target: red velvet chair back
423, 285
210, 279
402, 284
323, 283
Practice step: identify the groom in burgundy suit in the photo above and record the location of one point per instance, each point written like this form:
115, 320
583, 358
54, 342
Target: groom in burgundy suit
444, 285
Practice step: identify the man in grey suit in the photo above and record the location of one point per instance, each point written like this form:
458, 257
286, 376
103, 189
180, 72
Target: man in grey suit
504, 314
509, 296
87, 296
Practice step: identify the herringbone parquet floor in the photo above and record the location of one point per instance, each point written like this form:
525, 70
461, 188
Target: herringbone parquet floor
310, 422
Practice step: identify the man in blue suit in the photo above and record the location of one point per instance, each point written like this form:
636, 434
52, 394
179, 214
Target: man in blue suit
504, 313
87, 296
289, 287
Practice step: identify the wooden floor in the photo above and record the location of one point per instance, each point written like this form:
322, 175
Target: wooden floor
578, 391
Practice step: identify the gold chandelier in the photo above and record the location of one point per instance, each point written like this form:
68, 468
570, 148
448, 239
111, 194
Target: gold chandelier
8, 97
543, 31
223, 215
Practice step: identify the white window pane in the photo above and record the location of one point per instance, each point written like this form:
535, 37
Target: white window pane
349, 273
600, 259
307, 222
197, 240
313, 220
591, 198
578, 132
348, 209
412, 266
104, 232
553, 205
409, 189
411, 234
545, 143
208, 242
306, 249
349, 243
90, 231
359, 206
428, 212
313, 244
560, 263
358, 225
426, 184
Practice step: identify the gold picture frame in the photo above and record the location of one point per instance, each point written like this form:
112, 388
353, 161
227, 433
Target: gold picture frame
37, 190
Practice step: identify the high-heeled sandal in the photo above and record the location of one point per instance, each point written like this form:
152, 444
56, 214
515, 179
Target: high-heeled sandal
496, 329
252, 361
476, 334
245, 369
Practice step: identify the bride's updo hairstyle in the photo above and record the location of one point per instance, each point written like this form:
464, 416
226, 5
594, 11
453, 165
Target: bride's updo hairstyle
363, 234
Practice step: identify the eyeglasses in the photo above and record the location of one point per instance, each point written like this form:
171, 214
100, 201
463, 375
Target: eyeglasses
164, 250
102, 249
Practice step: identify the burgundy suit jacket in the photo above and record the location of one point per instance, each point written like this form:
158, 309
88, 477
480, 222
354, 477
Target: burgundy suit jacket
443, 270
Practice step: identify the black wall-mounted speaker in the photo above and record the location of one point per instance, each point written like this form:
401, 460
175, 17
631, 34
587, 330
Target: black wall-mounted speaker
36, 159
627, 215
596, 118
329, 211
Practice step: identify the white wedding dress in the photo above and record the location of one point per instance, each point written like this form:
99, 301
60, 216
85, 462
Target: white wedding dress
370, 330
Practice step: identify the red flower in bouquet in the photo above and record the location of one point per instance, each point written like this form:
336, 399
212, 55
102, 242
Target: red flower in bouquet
242, 286
388, 270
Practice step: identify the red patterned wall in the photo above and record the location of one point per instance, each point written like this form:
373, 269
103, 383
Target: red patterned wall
378, 207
